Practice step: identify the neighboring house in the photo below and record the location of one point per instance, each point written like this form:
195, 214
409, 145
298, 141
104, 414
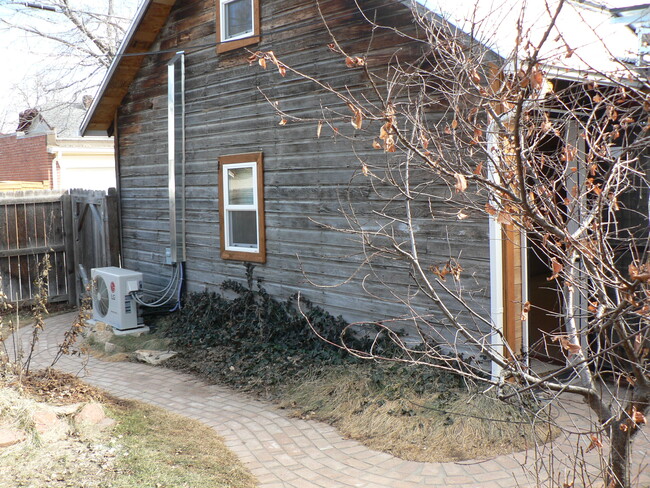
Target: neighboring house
25, 163
47, 152
240, 187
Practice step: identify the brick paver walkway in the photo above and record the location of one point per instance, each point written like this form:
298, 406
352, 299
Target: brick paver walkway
287, 452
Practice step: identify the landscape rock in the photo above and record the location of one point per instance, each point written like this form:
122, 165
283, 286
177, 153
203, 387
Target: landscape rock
153, 357
109, 347
102, 336
10, 436
101, 327
45, 420
99, 331
91, 413
65, 410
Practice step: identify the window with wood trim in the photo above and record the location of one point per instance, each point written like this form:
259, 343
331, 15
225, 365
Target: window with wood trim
238, 24
241, 207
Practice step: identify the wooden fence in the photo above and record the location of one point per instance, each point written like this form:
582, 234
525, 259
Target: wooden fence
73, 228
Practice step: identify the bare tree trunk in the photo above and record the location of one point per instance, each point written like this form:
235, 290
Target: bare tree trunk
619, 457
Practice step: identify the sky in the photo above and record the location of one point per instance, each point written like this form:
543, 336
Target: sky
23, 56
596, 43
29, 62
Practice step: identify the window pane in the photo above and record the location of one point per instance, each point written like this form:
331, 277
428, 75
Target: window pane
240, 186
243, 228
238, 18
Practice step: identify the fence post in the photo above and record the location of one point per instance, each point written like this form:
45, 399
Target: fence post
76, 240
70, 260
112, 228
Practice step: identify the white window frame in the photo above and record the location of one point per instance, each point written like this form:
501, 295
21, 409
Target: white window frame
228, 207
222, 19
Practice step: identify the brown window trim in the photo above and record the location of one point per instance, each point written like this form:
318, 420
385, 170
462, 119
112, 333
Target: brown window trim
260, 255
224, 46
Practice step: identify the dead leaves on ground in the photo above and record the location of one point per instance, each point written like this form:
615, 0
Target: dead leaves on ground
52, 385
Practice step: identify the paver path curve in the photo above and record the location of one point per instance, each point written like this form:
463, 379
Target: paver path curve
283, 451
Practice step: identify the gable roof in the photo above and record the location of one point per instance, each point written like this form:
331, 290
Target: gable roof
148, 21
64, 118
635, 15
584, 30
585, 38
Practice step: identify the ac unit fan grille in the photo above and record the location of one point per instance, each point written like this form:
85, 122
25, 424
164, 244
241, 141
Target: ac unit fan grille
101, 297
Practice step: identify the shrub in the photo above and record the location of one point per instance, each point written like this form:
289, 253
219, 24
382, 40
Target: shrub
253, 338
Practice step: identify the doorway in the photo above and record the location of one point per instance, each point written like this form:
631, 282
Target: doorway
544, 317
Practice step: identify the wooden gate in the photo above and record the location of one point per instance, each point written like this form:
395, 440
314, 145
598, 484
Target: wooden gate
76, 229
95, 230
33, 224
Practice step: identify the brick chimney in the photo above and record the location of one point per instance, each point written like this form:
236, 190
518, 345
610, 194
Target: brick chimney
25, 119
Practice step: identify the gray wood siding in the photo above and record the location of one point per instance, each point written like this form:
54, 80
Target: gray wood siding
305, 178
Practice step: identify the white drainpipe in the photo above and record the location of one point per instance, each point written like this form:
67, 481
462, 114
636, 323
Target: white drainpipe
496, 291
496, 267
56, 183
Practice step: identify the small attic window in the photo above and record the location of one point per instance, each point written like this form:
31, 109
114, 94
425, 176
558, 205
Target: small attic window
238, 24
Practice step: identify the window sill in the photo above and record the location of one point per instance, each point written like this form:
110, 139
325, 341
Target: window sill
237, 43
250, 257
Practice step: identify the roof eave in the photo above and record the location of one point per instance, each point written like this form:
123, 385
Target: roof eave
89, 125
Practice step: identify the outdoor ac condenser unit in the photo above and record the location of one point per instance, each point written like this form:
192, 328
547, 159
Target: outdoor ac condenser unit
111, 294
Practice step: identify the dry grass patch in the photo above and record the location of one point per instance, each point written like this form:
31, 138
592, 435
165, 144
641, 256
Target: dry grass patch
168, 450
401, 419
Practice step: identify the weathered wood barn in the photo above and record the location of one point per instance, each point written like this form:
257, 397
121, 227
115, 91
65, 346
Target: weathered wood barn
209, 175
